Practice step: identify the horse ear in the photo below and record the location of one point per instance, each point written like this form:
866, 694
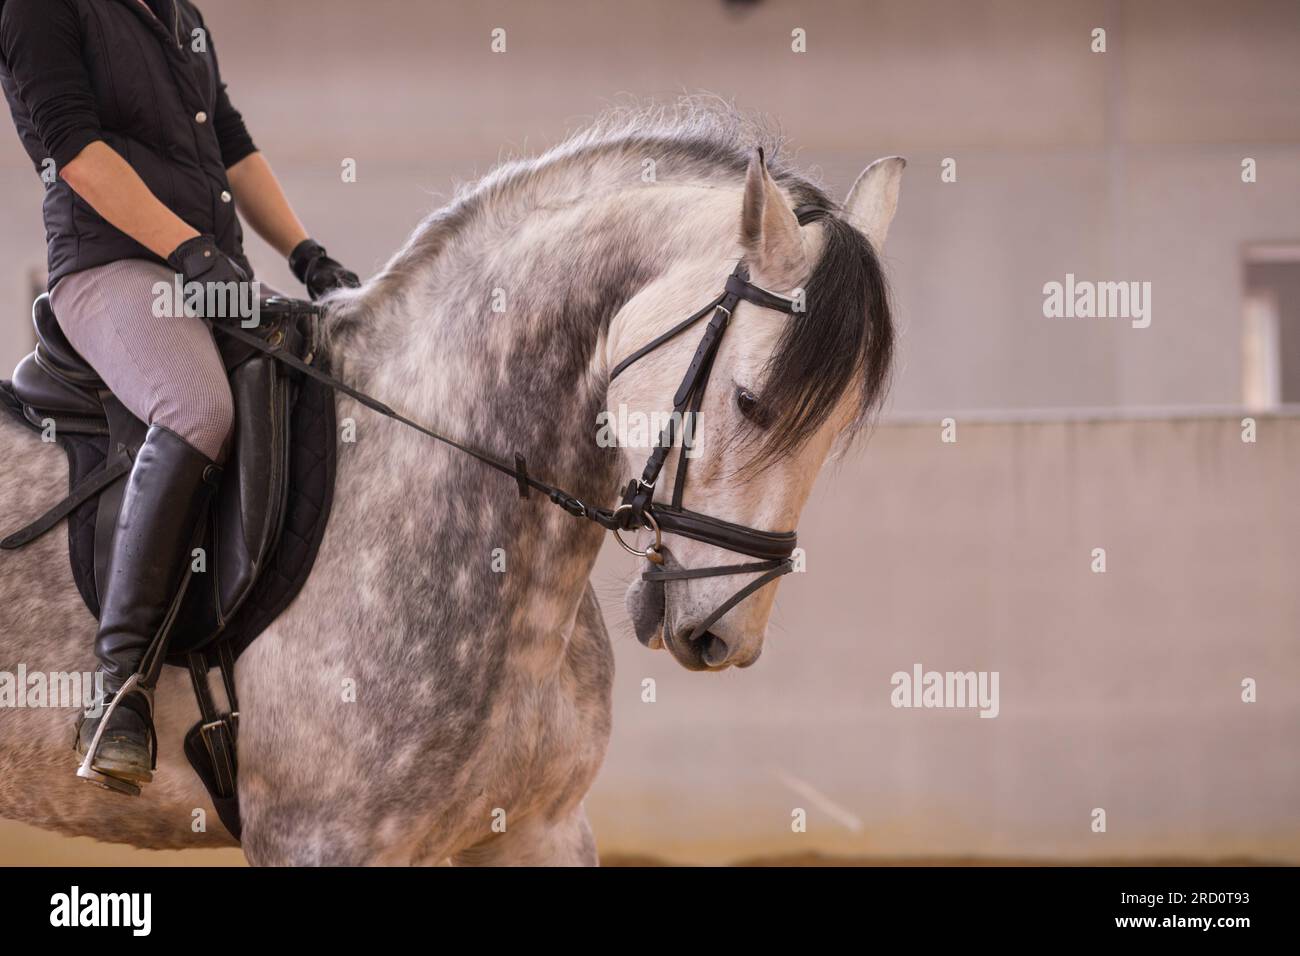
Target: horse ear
874, 198
769, 231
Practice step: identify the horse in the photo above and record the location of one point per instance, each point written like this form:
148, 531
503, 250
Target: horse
440, 690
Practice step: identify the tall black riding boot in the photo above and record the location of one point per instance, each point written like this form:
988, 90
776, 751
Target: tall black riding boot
166, 497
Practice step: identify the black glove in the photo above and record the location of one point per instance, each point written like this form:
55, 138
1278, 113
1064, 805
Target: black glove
317, 271
200, 260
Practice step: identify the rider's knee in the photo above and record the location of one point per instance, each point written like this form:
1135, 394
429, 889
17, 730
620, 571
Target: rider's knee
205, 418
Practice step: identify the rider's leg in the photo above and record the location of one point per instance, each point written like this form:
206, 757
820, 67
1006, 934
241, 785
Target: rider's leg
166, 370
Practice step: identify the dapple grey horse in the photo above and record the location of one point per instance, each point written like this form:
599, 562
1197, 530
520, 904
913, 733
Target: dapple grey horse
440, 690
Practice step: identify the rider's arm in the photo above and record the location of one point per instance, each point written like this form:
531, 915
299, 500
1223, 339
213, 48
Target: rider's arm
262, 203
41, 44
114, 190
40, 41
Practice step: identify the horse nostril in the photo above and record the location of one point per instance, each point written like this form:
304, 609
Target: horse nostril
713, 649
706, 652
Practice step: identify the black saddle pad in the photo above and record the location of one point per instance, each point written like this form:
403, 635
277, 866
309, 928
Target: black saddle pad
312, 463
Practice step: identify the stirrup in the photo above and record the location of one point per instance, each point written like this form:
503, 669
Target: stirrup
108, 781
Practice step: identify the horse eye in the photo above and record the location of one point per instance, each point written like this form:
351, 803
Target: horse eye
747, 402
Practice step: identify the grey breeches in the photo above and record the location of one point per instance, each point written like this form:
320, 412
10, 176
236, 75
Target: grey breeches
165, 370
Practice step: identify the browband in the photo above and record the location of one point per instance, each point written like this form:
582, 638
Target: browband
738, 287
738, 284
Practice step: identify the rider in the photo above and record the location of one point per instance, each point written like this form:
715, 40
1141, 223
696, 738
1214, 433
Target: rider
121, 107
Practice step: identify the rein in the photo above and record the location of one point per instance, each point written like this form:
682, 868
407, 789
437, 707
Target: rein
637, 509
518, 471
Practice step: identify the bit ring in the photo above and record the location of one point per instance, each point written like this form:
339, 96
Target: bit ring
651, 553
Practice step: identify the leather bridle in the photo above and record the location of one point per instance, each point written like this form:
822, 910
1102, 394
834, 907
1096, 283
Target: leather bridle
638, 508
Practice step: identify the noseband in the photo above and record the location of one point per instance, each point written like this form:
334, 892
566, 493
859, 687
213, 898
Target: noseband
638, 508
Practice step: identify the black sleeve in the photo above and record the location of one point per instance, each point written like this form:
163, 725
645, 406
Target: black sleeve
40, 41
232, 134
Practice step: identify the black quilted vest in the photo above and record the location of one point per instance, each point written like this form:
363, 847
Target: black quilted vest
155, 97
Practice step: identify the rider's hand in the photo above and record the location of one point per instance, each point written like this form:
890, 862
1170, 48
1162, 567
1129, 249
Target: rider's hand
317, 271
200, 260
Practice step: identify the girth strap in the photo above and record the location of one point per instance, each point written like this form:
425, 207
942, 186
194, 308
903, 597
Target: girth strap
211, 745
217, 731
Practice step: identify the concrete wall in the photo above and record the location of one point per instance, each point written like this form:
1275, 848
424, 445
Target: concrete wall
1123, 165
1119, 690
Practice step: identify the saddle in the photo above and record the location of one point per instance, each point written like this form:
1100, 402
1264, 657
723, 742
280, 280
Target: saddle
266, 521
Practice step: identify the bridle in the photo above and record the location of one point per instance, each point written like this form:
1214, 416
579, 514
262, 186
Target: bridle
638, 508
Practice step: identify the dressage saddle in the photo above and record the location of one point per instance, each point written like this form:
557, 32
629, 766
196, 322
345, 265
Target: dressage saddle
266, 521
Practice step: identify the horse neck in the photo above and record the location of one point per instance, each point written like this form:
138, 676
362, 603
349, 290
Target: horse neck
497, 328
497, 342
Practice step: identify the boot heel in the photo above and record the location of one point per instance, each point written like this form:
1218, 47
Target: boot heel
87, 770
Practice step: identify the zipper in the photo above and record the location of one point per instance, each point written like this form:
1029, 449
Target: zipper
176, 21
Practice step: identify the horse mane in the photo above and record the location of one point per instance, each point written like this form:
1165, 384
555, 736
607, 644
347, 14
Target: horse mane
823, 352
